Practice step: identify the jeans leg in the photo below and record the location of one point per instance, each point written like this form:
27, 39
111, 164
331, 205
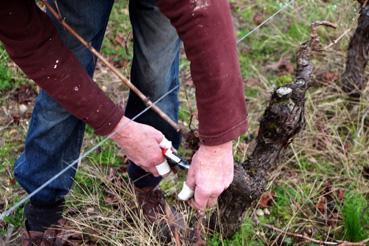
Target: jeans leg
154, 71
55, 136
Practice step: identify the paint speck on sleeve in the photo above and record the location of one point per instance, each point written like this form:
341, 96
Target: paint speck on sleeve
200, 4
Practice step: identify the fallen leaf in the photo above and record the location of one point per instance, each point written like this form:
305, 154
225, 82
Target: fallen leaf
328, 187
283, 65
12, 181
333, 219
120, 39
24, 94
122, 169
265, 199
251, 82
322, 204
258, 19
328, 77
341, 194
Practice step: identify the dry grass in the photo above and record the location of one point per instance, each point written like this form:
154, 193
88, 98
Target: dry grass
327, 158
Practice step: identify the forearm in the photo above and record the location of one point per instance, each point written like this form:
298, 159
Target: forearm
33, 43
205, 26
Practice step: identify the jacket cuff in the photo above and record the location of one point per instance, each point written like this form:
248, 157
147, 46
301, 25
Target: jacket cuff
229, 135
109, 125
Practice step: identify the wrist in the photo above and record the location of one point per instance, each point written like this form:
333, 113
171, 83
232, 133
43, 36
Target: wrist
217, 148
122, 129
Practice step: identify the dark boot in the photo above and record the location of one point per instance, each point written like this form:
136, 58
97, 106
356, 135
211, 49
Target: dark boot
48, 237
43, 225
168, 223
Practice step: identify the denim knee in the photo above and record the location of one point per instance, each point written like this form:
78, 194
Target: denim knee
49, 149
154, 71
55, 136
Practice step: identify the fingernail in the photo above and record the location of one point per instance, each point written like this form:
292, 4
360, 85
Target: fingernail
186, 193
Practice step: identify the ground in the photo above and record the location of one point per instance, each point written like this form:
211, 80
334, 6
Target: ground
320, 188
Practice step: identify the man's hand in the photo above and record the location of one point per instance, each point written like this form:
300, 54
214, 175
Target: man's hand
211, 172
140, 143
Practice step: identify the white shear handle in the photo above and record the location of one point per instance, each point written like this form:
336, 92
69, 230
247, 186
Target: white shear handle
165, 144
186, 193
163, 168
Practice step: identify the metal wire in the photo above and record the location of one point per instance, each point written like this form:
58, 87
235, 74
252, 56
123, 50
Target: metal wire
74, 163
26, 198
265, 21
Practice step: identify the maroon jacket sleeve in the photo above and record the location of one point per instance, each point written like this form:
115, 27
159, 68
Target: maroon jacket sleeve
33, 43
206, 29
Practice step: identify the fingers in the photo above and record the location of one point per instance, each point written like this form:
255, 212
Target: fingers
206, 198
142, 146
212, 201
201, 199
153, 171
155, 164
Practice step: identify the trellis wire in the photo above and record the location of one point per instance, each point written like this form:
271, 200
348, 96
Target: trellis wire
29, 196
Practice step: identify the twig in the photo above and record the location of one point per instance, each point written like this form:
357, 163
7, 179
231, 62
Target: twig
198, 229
189, 108
172, 221
128, 83
337, 39
310, 239
9, 234
361, 129
7, 125
314, 32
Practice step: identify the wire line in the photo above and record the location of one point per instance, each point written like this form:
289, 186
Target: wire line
265, 21
26, 198
29, 196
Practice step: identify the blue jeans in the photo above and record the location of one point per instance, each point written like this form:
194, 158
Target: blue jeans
55, 136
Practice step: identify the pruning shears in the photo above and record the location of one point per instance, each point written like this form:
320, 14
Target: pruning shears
173, 158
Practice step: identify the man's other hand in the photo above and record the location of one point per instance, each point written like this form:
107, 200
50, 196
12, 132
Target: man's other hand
211, 172
140, 143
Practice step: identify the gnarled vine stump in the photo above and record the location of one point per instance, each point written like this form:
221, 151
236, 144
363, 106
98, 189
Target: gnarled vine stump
353, 80
282, 120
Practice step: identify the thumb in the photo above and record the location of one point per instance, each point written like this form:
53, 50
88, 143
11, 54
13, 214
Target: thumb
201, 199
191, 179
159, 137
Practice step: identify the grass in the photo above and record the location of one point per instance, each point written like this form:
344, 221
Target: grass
356, 217
325, 161
5, 75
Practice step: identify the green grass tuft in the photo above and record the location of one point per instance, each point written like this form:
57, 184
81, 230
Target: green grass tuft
356, 217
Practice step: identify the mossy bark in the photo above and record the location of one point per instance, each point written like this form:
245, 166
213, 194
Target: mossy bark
282, 120
353, 79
